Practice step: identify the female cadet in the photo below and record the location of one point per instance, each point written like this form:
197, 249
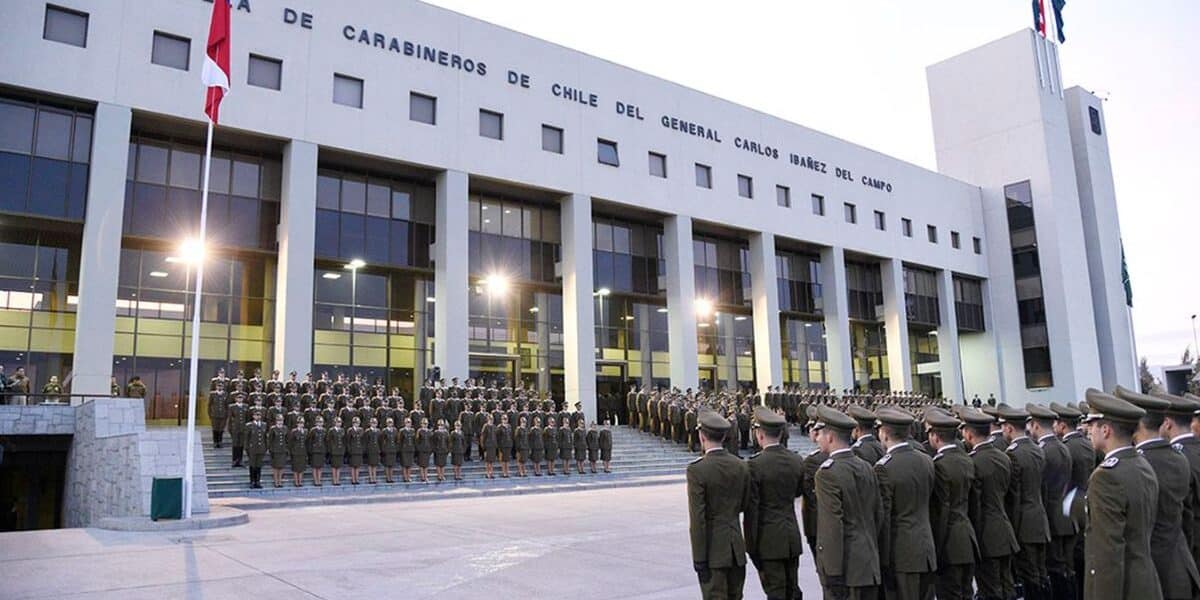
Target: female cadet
566, 443
606, 447
316, 449
424, 449
298, 448
371, 444
406, 440
593, 445
521, 444
537, 446
550, 441
278, 445
355, 445
335, 444
441, 447
487, 442
579, 437
388, 447
458, 447
504, 439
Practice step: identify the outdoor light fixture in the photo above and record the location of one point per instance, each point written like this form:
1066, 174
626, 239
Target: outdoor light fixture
496, 284
740, 318
704, 307
430, 299
331, 275
158, 273
191, 251
355, 264
602, 292
662, 310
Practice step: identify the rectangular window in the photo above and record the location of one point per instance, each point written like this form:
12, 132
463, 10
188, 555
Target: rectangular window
931, 232
954, 241
66, 26
491, 124
170, 51
703, 176
906, 227
745, 186
977, 244
783, 196
347, 91
818, 205
880, 221
606, 152
264, 72
1094, 117
552, 139
422, 108
851, 212
658, 164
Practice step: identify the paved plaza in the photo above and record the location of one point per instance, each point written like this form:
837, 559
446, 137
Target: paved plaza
612, 543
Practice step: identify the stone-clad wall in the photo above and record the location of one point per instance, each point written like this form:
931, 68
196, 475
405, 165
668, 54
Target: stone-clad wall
162, 455
103, 467
37, 420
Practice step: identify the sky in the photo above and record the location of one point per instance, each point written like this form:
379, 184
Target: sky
855, 69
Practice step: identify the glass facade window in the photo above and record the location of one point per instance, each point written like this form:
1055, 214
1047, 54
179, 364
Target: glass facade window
517, 333
552, 139
491, 124
920, 296
171, 51
703, 176
955, 241
658, 165
726, 350
818, 205
851, 212
805, 356
518, 240
868, 352
44, 156
977, 245
631, 339
968, 303
1031, 309
864, 289
931, 232
347, 90
783, 196
162, 194
383, 221
906, 227
626, 257
264, 72
799, 279
422, 108
155, 300
1094, 120
722, 271
745, 186
65, 25
606, 153
39, 287
375, 322
926, 363
880, 221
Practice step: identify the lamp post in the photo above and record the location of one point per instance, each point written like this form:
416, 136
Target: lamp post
495, 284
353, 266
1195, 349
192, 251
600, 295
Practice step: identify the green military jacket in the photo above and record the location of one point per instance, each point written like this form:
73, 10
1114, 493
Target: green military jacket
848, 516
993, 473
254, 438
1083, 462
718, 489
776, 480
905, 486
949, 518
1168, 546
1025, 507
1121, 501
868, 448
808, 502
1056, 480
1189, 446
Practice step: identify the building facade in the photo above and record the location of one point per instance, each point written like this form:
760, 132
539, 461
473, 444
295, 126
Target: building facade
529, 212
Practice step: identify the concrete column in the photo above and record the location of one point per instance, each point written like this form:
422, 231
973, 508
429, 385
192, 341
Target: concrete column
297, 245
895, 320
420, 331
728, 371
836, 307
543, 339
96, 317
681, 302
647, 362
949, 357
450, 310
764, 291
579, 329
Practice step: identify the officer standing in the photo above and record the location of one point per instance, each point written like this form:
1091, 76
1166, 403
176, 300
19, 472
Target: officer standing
993, 530
218, 411
949, 516
848, 513
1025, 508
772, 533
906, 552
1056, 478
718, 488
1122, 497
866, 445
1083, 462
254, 440
1176, 427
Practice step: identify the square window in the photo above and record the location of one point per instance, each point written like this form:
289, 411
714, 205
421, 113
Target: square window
170, 51
851, 212
977, 244
703, 176
954, 241
491, 124
783, 196
552, 139
745, 186
347, 91
880, 221
906, 227
422, 108
931, 231
1094, 117
66, 26
658, 164
606, 152
264, 72
818, 205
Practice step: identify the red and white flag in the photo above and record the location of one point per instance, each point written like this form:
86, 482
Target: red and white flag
215, 73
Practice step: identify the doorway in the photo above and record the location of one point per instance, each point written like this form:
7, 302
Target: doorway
498, 368
611, 387
708, 378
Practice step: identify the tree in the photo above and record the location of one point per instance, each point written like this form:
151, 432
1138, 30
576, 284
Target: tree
1148, 382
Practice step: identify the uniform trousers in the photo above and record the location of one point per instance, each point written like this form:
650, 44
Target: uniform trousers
869, 592
723, 584
1060, 566
1029, 568
778, 578
953, 582
908, 586
994, 578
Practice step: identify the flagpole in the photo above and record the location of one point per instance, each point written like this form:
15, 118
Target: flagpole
189, 471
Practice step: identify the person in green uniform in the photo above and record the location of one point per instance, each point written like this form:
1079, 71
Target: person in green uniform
458, 448
504, 443
406, 442
114, 387
537, 445
718, 491
808, 501
949, 513
772, 532
277, 445
566, 445
218, 412
255, 441
316, 449
355, 446
593, 445
1121, 502
1083, 461
849, 513
521, 445
135, 389
866, 445
1025, 507
993, 530
424, 449
335, 443
389, 445
550, 442
1168, 545
907, 557
1176, 428
1056, 478
441, 447
372, 450
579, 444
297, 448
604, 439
239, 414
53, 390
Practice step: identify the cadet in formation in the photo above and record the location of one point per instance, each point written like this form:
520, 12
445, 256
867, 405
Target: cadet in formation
771, 531
718, 490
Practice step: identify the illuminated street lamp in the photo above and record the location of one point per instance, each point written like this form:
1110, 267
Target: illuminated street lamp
496, 284
704, 307
353, 266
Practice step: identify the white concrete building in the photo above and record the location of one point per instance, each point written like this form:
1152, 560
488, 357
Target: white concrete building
528, 211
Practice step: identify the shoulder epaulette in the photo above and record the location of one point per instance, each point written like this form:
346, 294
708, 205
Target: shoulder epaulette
938, 456
755, 455
1177, 447
1110, 462
884, 460
812, 453
696, 460
972, 453
828, 463
1042, 444
1011, 447
857, 444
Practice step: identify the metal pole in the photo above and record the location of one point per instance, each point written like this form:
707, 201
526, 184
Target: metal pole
1195, 349
353, 313
189, 470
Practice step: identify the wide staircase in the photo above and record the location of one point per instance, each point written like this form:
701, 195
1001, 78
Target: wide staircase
638, 459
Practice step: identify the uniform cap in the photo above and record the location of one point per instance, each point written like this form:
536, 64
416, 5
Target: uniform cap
976, 418
1037, 411
940, 419
831, 417
810, 411
712, 422
1083, 408
1008, 414
1111, 408
1181, 406
1196, 399
1143, 401
861, 414
894, 416
989, 411
1065, 413
767, 419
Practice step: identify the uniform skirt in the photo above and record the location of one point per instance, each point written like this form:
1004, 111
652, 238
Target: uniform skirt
317, 460
506, 453
423, 459
581, 453
372, 458
522, 455
406, 458
539, 455
439, 459
593, 454
279, 460
336, 460
564, 453
356, 459
606, 454
456, 459
389, 458
299, 462
489, 455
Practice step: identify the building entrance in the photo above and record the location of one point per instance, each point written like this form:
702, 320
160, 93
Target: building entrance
498, 368
612, 383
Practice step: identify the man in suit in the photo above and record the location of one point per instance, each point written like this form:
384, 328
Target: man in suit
993, 530
772, 533
1025, 507
949, 515
718, 490
906, 476
1121, 501
1056, 478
